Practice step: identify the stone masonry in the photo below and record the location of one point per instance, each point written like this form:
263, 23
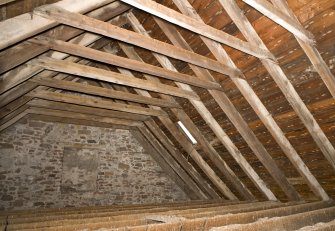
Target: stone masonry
47, 164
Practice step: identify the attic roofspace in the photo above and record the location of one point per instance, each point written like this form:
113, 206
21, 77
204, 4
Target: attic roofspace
101, 83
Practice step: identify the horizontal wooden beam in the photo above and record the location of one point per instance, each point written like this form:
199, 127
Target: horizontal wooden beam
76, 115
115, 60
41, 103
94, 102
109, 76
282, 19
101, 91
106, 29
67, 120
198, 27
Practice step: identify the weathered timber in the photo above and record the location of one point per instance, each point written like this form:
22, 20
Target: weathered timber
109, 76
106, 29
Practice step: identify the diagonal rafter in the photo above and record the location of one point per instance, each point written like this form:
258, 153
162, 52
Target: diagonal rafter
237, 120
258, 107
224, 168
188, 147
283, 83
282, 19
198, 27
203, 111
167, 143
311, 51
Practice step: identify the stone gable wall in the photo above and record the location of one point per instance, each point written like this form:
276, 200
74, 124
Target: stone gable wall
46, 164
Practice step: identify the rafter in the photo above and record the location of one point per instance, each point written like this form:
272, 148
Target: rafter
188, 147
236, 119
282, 19
311, 51
210, 151
198, 27
74, 61
210, 120
106, 29
205, 187
283, 83
13, 114
167, 143
258, 107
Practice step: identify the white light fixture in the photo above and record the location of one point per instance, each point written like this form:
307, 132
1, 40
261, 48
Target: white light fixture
187, 132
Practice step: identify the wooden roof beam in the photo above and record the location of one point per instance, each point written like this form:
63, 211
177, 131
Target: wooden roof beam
259, 108
283, 82
109, 76
76, 115
19, 54
96, 26
198, 27
26, 71
71, 115
93, 102
234, 116
281, 18
310, 50
115, 60
179, 113
210, 120
41, 103
15, 29
100, 91
187, 146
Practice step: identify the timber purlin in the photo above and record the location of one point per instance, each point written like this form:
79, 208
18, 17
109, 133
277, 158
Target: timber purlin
253, 80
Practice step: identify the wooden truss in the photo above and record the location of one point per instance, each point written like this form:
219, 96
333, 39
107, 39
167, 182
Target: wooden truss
96, 57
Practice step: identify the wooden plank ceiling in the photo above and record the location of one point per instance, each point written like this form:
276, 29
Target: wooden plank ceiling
253, 81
